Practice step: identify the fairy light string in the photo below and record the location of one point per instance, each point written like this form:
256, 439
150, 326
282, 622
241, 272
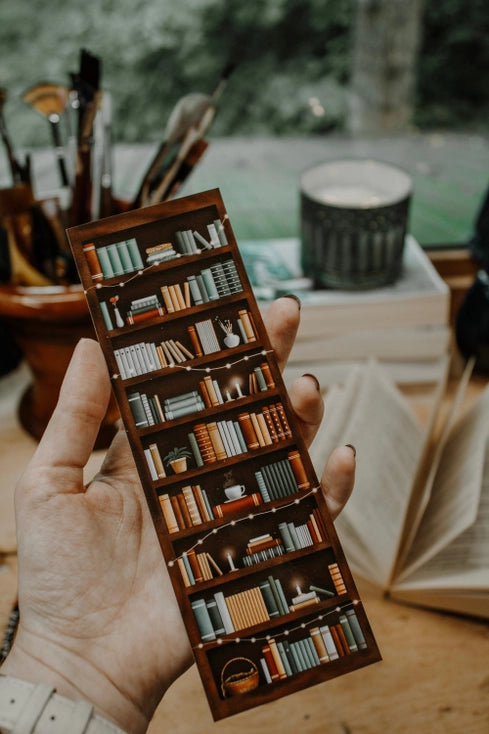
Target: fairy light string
153, 266
286, 632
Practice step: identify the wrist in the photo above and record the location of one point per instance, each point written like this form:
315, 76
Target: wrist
74, 677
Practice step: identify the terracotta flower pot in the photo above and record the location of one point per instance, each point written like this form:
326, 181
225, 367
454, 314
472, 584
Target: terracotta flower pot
179, 465
47, 323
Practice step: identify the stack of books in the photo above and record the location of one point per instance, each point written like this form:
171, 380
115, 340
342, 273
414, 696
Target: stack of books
404, 326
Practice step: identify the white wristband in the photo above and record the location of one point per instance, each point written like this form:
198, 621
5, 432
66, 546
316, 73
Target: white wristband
30, 708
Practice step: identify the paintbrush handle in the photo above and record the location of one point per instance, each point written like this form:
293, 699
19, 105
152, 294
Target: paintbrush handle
59, 150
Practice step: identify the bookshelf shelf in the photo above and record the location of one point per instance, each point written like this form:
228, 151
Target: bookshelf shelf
218, 466
243, 528
175, 316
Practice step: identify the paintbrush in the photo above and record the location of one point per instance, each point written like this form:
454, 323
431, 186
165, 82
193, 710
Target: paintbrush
19, 173
192, 112
50, 101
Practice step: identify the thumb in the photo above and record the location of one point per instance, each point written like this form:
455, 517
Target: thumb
68, 440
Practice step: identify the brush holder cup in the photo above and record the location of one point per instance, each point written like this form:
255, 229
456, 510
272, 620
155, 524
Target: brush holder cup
354, 217
46, 323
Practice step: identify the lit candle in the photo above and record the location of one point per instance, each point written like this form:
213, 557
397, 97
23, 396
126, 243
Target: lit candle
228, 395
232, 567
238, 390
299, 590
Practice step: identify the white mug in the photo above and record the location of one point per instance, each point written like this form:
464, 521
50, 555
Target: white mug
235, 492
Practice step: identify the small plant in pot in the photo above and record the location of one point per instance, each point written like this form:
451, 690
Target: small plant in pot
177, 459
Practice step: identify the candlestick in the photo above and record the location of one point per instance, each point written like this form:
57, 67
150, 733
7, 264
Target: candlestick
238, 390
228, 396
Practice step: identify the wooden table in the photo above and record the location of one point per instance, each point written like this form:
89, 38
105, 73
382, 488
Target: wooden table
434, 678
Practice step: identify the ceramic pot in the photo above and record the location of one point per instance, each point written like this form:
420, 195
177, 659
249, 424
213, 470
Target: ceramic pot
47, 323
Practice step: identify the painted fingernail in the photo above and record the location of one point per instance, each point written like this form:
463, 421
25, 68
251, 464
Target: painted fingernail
294, 298
316, 381
350, 446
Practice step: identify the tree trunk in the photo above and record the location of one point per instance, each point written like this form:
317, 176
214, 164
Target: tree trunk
385, 43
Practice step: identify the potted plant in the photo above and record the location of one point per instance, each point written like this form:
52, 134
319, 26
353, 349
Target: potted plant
177, 459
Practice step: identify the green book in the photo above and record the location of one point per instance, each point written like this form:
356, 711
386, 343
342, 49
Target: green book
105, 264
115, 259
188, 568
260, 379
278, 600
312, 651
203, 620
106, 316
284, 658
262, 486
215, 617
125, 257
348, 633
286, 537
298, 656
269, 599
137, 409
195, 449
356, 629
134, 254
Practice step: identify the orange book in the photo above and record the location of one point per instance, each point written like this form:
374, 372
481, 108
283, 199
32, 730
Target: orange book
184, 510
191, 503
270, 661
194, 565
211, 390
184, 349
174, 298
340, 639
93, 263
161, 355
192, 332
204, 443
184, 573
205, 394
277, 658
318, 642
245, 317
276, 422
248, 431
283, 420
337, 578
178, 513
298, 470
216, 440
157, 460
270, 425
243, 503
267, 374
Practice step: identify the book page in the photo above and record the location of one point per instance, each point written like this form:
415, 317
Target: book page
389, 442
454, 505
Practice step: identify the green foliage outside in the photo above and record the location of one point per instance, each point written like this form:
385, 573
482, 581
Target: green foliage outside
292, 61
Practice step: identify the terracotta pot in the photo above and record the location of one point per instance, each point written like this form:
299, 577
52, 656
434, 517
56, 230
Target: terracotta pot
47, 323
179, 465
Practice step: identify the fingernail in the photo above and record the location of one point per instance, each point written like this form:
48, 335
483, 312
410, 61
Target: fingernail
350, 446
313, 377
294, 298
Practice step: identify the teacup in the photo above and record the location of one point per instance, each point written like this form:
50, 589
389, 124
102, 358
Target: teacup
235, 492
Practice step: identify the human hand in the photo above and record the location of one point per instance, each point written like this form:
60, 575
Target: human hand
98, 617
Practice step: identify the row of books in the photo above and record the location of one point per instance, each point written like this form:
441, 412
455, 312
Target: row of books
324, 644
292, 537
188, 239
189, 507
149, 410
197, 567
120, 258
222, 615
282, 478
111, 260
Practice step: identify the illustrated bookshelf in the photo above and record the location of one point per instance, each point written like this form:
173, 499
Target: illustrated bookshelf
265, 592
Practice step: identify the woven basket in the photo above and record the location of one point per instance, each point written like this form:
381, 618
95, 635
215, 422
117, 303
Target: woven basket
239, 683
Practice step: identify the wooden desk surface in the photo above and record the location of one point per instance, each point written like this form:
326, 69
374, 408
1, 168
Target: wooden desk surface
434, 678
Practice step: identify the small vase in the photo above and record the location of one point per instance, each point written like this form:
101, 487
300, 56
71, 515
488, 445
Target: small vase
231, 340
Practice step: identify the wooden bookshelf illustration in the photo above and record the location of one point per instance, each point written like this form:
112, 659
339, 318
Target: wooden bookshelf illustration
265, 592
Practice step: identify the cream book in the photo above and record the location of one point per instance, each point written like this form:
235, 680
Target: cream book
417, 524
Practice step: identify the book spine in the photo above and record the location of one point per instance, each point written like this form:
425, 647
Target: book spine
337, 578
134, 254
93, 262
298, 470
204, 622
168, 514
356, 629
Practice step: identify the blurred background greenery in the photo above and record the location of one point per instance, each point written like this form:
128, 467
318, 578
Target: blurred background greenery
294, 62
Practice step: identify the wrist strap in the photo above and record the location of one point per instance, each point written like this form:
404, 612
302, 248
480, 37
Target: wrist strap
30, 708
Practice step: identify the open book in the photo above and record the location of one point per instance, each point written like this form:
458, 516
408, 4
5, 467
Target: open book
417, 523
